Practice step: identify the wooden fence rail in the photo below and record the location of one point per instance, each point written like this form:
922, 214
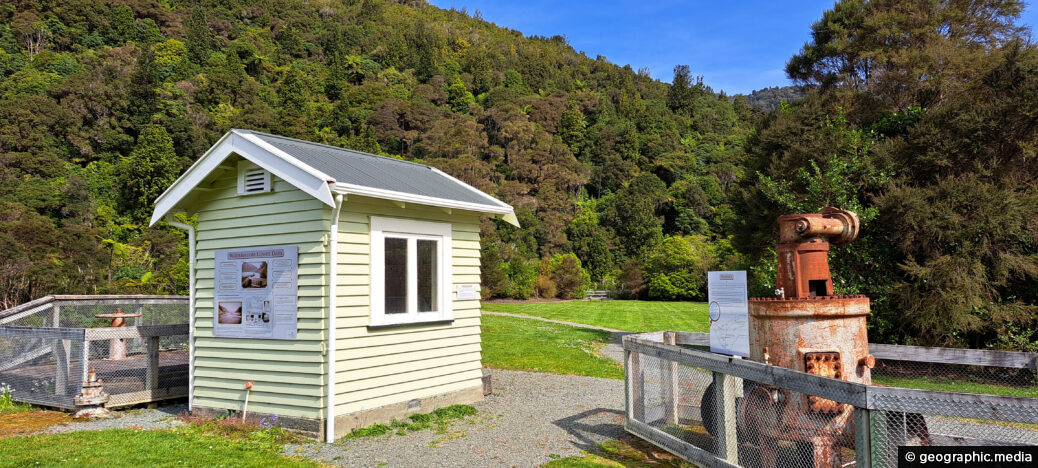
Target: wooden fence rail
968, 357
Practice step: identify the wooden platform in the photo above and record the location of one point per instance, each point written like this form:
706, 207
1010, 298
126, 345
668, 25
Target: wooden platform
125, 380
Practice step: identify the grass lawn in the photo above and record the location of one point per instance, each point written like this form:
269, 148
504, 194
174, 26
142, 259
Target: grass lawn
523, 344
628, 451
635, 316
134, 448
949, 385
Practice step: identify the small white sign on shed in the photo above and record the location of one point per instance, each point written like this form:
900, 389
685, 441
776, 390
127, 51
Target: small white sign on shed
468, 292
729, 313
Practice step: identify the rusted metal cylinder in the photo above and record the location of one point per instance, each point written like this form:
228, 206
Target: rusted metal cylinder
791, 328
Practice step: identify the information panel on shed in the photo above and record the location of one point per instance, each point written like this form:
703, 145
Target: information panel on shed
257, 293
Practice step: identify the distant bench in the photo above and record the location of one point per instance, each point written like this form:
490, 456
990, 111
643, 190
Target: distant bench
598, 295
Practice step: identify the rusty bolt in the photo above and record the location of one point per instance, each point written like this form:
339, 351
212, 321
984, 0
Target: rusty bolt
836, 366
837, 374
868, 361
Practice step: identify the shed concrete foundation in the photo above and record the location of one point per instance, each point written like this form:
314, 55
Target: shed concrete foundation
344, 423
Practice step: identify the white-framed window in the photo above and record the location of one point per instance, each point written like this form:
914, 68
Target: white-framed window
252, 178
410, 271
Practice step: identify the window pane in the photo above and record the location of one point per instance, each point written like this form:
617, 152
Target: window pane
396, 276
428, 294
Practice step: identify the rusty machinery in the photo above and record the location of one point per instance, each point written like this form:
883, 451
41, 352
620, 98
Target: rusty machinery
807, 328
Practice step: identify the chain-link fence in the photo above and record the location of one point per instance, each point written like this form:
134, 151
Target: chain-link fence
715, 410
137, 345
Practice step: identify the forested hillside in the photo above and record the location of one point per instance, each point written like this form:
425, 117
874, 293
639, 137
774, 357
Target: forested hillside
920, 117
769, 99
104, 103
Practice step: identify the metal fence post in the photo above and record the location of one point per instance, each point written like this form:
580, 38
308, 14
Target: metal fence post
669, 386
726, 443
862, 438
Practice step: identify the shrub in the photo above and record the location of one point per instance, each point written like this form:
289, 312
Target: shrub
570, 278
676, 268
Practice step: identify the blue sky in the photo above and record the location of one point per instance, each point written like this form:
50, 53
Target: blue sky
737, 46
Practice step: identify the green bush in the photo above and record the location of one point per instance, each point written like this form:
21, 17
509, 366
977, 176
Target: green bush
570, 278
676, 268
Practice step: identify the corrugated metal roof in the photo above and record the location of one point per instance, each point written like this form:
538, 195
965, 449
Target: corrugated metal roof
369, 170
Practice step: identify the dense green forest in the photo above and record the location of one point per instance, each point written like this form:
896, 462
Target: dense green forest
920, 117
771, 98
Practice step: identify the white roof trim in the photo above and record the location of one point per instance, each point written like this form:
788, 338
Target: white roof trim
473, 189
306, 178
352, 189
277, 162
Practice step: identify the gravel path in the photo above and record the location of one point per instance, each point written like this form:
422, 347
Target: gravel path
530, 419
160, 418
613, 350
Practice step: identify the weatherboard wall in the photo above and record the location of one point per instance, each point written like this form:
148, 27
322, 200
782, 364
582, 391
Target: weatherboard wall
288, 374
376, 367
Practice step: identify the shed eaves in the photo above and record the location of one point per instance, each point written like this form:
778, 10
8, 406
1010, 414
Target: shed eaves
369, 170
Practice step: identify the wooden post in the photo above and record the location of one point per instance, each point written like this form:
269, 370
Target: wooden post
84, 360
669, 386
60, 348
726, 443
152, 377
862, 438
880, 441
636, 386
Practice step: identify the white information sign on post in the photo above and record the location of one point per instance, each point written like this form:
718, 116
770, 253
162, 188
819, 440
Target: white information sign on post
256, 293
729, 313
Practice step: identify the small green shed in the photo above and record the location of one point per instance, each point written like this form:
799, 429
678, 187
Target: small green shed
344, 285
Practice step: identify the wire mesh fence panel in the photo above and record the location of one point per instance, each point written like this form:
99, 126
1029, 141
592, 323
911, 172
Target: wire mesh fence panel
745, 422
947, 420
41, 371
715, 410
991, 380
43, 368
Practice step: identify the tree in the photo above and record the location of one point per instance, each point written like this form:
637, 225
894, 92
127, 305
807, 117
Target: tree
572, 127
904, 53
142, 94
569, 277
200, 39
676, 268
681, 96
458, 96
122, 26
148, 171
633, 214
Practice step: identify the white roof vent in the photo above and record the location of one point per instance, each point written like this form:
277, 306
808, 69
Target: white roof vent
252, 179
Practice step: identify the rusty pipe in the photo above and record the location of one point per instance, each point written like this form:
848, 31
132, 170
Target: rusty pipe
840, 226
